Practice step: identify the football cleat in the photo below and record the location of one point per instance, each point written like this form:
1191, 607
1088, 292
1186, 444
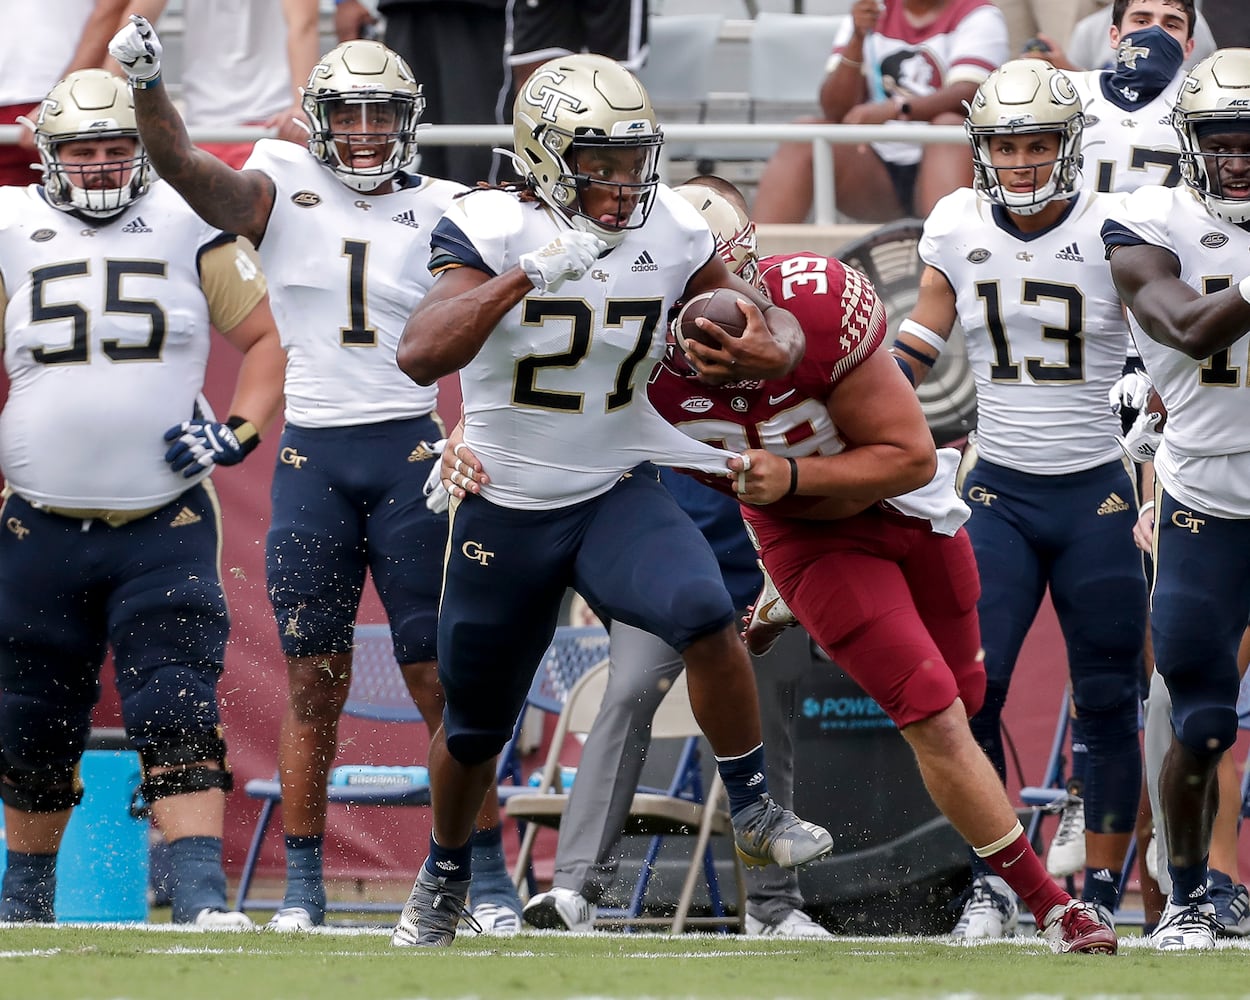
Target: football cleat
766, 834
1066, 855
497, 920
1232, 905
434, 908
1192, 927
767, 618
561, 909
795, 924
990, 911
290, 920
215, 919
1079, 927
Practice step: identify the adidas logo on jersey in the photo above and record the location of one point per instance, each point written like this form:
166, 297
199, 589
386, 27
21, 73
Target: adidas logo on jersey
407, 219
185, 517
136, 225
1112, 505
645, 263
1070, 252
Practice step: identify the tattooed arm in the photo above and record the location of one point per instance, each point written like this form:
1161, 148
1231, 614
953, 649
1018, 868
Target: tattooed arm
237, 201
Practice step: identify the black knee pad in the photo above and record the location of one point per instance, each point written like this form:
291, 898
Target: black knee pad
1208, 730
475, 748
45, 791
189, 773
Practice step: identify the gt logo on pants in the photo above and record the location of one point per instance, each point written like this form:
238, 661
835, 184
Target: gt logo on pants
474, 551
1184, 519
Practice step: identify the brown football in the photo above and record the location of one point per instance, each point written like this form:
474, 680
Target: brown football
1155, 405
720, 306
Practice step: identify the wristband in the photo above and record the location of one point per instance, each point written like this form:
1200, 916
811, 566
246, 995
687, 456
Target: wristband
904, 367
148, 84
923, 334
1149, 505
1243, 286
794, 477
245, 433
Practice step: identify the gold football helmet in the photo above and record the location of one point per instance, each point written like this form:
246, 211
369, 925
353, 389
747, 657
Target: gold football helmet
89, 104
732, 227
1214, 99
360, 95
576, 103
1021, 97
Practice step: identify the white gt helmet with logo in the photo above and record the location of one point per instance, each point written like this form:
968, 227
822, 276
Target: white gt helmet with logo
1025, 97
581, 102
732, 227
1214, 99
89, 104
369, 79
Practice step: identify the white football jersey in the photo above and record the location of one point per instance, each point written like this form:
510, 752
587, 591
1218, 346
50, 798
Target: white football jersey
1045, 332
106, 339
345, 271
1125, 150
555, 403
1205, 456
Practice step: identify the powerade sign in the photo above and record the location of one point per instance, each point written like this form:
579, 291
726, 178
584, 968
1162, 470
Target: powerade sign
842, 713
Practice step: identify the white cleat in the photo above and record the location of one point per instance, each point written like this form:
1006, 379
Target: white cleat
990, 911
561, 909
1186, 928
795, 924
497, 920
1066, 855
767, 618
213, 919
290, 920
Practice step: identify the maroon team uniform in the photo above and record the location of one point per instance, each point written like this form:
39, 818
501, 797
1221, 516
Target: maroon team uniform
886, 597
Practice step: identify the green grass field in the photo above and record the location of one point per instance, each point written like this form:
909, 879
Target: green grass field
155, 963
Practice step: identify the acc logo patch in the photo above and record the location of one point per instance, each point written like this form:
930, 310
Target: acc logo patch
978, 256
1213, 241
42, 235
697, 404
306, 199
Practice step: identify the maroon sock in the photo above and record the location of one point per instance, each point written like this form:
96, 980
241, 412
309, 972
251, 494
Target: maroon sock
1022, 869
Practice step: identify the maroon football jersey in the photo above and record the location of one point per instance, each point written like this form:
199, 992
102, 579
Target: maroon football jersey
844, 322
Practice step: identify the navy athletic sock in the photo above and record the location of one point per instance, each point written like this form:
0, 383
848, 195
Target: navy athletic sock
29, 888
1080, 756
1102, 886
491, 881
455, 863
199, 881
745, 778
1189, 883
305, 883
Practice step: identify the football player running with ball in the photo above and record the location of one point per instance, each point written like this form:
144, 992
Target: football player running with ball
343, 231
550, 300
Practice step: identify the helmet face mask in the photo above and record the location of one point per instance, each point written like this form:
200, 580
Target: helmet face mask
731, 227
364, 104
85, 131
1023, 98
586, 138
1212, 121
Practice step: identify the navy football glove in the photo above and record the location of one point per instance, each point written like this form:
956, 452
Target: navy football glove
200, 444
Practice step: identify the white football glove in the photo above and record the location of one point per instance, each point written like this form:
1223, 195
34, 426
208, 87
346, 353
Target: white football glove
1131, 391
138, 50
569, 255
437, 499
1143, 438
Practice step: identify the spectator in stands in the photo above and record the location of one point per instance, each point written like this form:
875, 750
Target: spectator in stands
1027, 19
906, 61
243, 63
543, 29
109, 547
356, 504
1052, 504
43, 42
456, 48
1088, 47
642, 668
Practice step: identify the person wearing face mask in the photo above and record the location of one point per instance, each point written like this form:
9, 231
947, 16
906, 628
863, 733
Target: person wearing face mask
1087, 47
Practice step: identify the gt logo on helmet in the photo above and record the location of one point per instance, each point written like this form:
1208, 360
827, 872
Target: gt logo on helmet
549, 99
